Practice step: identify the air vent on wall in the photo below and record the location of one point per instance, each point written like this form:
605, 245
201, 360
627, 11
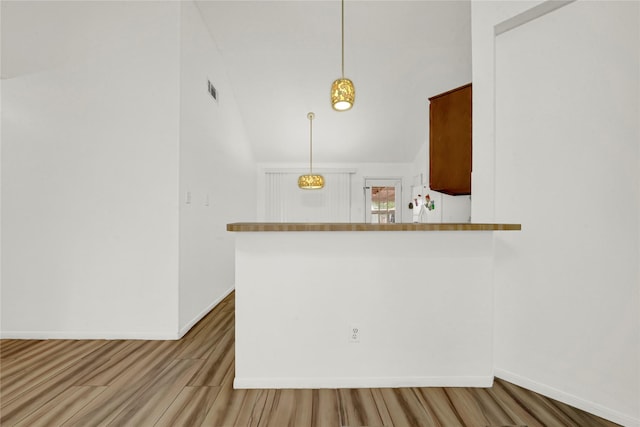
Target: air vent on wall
212, 90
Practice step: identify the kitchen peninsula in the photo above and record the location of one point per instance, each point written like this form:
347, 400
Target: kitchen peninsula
325, 305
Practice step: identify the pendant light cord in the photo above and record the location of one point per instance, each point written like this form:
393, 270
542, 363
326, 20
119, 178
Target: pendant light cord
343, 39
310, 143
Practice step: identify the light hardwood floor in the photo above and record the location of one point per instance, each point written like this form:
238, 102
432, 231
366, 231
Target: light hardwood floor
189, 383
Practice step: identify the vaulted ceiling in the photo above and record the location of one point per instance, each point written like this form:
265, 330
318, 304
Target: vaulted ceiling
282, 56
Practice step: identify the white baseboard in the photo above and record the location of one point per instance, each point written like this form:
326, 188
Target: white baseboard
87, 335
569, 399
203, 313
110, 335
384, 382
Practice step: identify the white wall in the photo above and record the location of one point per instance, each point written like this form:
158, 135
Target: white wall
89, 170
405, 171
420, 165
484, 16
1, 328
106, 126
566, 166
411, 174
422, 302
216, 169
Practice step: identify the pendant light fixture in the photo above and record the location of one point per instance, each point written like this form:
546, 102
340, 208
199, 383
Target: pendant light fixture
343, 94
311, 181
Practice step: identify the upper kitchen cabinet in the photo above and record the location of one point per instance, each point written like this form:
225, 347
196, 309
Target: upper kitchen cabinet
450, 141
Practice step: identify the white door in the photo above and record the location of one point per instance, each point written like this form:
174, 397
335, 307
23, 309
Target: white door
383, 200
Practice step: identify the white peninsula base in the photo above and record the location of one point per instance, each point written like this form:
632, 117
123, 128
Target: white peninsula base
421, 301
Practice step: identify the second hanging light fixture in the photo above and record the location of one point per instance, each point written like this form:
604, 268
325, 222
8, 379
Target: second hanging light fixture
311, 181
343, 94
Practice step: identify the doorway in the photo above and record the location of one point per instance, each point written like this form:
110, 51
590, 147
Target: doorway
383, 200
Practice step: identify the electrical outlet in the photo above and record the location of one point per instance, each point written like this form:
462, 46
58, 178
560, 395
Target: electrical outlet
354, 334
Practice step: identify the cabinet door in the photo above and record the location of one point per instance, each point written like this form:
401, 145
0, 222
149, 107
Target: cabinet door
450, 141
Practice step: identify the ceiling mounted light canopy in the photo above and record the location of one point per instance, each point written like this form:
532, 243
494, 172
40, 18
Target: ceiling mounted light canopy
343, 93
311, 181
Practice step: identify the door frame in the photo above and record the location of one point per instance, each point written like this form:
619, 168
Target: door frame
382, 182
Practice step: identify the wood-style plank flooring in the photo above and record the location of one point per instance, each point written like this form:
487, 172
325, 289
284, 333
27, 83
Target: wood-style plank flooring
189, 383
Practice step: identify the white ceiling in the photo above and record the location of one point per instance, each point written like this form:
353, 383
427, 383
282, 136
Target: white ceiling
282, 56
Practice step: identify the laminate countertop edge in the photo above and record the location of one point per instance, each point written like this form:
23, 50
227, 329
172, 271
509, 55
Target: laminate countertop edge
332, 226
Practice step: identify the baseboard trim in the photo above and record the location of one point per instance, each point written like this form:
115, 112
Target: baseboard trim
371, 382
186, 328
567, 398
85, 335
89, 335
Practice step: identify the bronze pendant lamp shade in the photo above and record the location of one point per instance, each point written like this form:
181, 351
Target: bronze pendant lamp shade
343, 93
311, 181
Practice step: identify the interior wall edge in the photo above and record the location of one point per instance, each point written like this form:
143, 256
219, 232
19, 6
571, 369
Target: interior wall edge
529, 15
569, 399
187, 327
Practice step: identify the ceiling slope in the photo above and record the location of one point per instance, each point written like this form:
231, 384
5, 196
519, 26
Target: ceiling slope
282, 56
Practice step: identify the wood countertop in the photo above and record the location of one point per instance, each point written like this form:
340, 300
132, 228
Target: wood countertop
332, 226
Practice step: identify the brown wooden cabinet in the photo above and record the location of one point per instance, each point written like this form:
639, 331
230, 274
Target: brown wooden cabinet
450, 141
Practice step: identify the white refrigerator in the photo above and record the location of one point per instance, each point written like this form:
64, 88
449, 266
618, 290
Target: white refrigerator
446, 208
